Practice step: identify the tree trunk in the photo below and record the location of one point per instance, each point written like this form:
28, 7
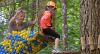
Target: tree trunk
90, 26
64, 25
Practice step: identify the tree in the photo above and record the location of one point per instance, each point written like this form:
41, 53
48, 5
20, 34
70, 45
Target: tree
64, 25
90, 26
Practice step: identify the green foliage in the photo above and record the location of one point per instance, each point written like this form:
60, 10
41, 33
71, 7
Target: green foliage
73, 24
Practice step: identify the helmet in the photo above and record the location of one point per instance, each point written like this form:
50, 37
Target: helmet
51, 3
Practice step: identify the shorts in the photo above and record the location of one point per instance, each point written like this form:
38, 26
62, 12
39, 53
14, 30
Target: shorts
50, 32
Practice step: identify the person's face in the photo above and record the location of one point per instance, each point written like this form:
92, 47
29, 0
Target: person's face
53, 8
20, 18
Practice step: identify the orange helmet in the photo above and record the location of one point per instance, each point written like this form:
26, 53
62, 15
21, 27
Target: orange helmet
51, 3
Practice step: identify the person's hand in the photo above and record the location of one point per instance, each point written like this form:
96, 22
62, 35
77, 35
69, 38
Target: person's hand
34, 21
18, 12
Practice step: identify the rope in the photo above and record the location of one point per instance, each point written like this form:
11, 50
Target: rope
37, 8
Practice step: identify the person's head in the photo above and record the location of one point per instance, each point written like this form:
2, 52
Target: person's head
51, 5
20, 15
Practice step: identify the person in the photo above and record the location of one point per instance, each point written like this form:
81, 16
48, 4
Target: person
16, 22
46, 24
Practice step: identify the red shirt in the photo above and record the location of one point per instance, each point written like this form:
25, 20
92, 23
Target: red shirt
45, 21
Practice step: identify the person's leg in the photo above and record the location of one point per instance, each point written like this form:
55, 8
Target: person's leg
52, 33
57, 37
56, 43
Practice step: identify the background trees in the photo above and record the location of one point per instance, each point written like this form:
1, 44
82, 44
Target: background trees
8, 9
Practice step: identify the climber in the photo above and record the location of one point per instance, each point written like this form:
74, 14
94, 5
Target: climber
16, 22
46, 24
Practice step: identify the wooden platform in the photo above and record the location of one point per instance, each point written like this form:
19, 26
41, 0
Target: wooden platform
65, 52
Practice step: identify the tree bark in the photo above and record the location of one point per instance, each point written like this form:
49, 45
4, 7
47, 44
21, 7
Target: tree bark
90, 26
64, 25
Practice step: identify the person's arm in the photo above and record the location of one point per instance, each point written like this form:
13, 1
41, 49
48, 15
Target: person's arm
32, 23
14, 18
